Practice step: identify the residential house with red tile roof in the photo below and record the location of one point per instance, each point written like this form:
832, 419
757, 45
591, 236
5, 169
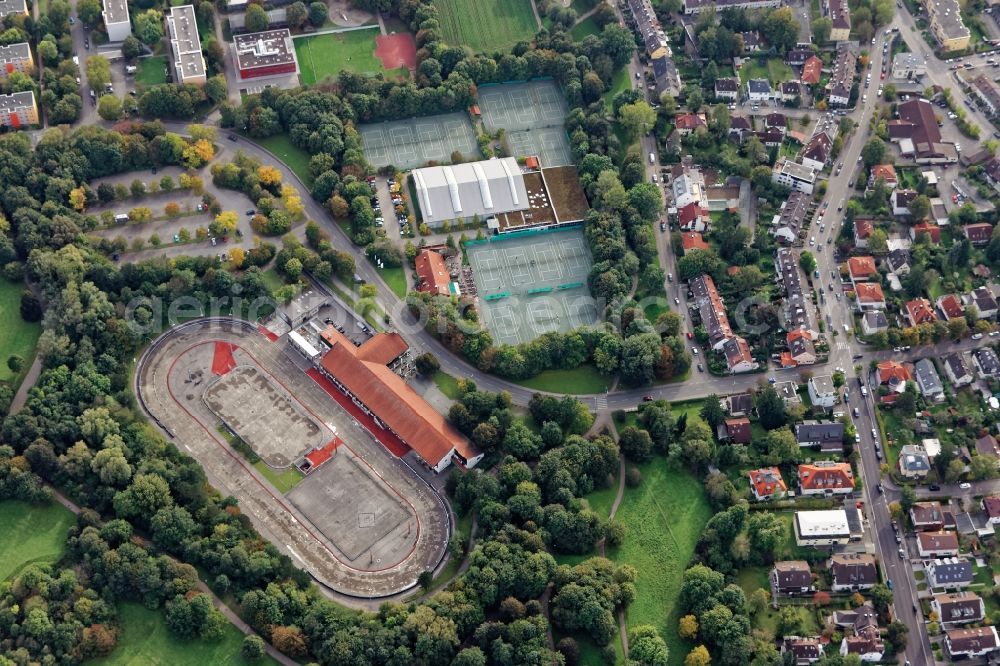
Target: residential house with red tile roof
738, 356
737, 430
919, 311
885, 172
869, 296
950, 306
863, 229
812, 71
937, 544
893, 374
826, 478
692, 240
686, 123
979, 233
862, 268
933, 230
692, 217
766, 483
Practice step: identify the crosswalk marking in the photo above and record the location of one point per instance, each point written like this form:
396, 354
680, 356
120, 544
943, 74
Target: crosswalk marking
602, 402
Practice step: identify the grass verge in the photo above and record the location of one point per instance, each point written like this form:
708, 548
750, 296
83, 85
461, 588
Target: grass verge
446, 384
581, 380
294, 157
396, 279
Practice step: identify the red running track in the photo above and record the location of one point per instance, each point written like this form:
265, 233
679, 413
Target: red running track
266, 333
389, 440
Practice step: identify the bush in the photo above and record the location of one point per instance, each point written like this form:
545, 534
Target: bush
609, 654
253, 648
614, 533
633, 477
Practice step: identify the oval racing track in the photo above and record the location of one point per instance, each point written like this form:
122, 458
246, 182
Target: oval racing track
400, 557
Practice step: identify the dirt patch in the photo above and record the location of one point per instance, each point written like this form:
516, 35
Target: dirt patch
399, 50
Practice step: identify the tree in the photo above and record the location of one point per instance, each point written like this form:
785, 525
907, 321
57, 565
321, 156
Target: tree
15, 363
982, 468
296, 15
637, 118
807, 261
821, 29
954, 471
318, 13
89, 11
771, 409
148, 27
131, 47
427, 364
646, 647
687, 627
224, 223
109, 107
256, 18
98, 72
897, 635
253, 648
712, 412
635, 444
873, 152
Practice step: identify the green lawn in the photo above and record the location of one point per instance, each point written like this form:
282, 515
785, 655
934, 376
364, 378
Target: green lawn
753, 578
396, 279
619, 83
779, 71
282, 480
16, 336
585, 379
585, 27
145, 641
326, 55
31, 533
272, 279
447, 384
601, 499
486, 25
663, 519
767, 619
152, 70
774, 70
294, 157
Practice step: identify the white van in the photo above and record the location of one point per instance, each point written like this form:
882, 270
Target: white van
652, 158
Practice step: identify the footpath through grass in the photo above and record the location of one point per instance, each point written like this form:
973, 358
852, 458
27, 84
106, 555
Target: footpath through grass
16, 335
582, 380
326, 55
31, 533
486, 25
145, 641
663, 519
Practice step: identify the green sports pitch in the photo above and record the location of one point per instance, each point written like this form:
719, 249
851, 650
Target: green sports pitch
486, 25
326, 55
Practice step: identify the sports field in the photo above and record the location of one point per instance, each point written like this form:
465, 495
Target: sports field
411, 143
533, 114
145, 641
326, 55
486, 25
530, 283
16, 335
31, 533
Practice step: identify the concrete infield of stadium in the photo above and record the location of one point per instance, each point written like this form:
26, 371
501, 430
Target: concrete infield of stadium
364, 525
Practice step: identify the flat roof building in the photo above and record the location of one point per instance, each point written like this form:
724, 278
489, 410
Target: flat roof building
9, 7
263, 54
793, 175
946, 23
822, 528
185, 45
16, 58
115, 14
18, 109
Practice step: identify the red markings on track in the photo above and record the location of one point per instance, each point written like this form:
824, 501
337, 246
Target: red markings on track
317, 457
222, 360
389, 440
266, 333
